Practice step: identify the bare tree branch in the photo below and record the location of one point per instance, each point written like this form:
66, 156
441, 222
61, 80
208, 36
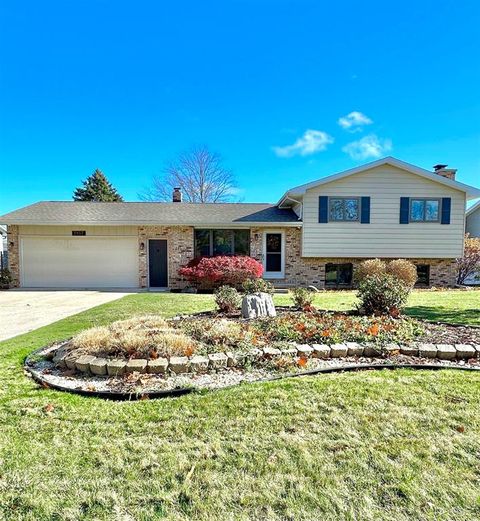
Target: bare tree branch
200, 175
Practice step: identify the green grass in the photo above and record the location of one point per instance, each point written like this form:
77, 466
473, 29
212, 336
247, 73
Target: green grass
456, 307
368, 446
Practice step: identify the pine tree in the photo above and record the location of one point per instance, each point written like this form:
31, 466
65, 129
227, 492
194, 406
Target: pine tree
97, 188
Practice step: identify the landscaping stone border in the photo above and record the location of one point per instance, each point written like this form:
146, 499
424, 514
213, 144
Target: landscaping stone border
198, 364
128, 396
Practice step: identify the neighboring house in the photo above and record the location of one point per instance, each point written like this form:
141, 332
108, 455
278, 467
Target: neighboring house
472, 223
315, 234
472, 227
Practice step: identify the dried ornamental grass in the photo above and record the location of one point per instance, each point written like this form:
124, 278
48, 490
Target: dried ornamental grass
145, 336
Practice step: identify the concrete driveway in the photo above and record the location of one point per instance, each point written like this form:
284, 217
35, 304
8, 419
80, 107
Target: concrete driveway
25, 310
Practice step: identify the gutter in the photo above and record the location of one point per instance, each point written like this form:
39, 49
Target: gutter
234, 224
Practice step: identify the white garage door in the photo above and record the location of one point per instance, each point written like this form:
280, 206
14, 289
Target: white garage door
79, 262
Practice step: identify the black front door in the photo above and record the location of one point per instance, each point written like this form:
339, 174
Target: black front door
157, 263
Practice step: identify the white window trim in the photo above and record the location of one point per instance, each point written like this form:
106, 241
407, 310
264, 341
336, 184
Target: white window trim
273, 274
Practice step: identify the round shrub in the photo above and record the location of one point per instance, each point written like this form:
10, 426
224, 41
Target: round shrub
302, 297
403, 270
368, 268
251, 286
383, 294
212, 272
227, 299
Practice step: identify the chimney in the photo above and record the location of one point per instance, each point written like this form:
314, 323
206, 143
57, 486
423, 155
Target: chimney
177, 195
442, 170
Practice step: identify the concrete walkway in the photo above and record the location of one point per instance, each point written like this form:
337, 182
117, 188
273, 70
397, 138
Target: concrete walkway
25, 310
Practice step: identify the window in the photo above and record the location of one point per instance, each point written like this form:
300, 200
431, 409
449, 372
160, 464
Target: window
338, 275
423, 275
222, 242
273, 252
425, 210
344, 208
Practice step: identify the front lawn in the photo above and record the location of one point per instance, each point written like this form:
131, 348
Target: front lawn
378, 445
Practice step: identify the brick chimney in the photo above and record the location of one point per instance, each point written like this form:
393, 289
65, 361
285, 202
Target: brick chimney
442, 170
177, 195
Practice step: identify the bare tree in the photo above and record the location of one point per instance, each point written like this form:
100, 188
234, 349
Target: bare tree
469, 264
200, 175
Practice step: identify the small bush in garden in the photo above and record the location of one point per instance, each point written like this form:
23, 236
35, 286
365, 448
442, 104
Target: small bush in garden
403, 270
302, 297
383, 294
368, 268
227, 299
5, 278
212, 272
251, 286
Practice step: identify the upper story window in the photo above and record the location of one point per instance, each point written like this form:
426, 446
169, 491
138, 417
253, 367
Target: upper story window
424, 210
344, 208
222, 242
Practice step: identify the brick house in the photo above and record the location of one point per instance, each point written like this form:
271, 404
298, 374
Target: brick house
315, 234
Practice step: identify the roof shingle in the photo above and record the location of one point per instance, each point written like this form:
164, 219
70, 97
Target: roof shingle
195, 214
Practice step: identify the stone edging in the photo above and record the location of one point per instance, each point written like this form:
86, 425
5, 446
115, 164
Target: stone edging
89, 364
119, 396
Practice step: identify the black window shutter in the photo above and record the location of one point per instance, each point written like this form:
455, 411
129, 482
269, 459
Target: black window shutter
446, 209
323, 209
404, 210
365, 209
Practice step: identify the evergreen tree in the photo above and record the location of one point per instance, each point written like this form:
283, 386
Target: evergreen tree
97, 188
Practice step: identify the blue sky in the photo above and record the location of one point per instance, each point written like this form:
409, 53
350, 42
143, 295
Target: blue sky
125, 86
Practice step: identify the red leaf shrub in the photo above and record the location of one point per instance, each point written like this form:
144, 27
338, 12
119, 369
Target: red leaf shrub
210, 272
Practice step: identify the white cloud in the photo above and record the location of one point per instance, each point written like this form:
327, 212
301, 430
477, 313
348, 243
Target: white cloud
368, 146
311, 142
354, 121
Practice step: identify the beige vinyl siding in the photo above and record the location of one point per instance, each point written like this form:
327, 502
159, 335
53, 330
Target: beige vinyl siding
473, 223
384, 236
66, 231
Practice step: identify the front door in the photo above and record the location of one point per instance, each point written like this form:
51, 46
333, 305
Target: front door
157, 263
273, 255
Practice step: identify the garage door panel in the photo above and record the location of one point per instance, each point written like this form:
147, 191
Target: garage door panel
79, 262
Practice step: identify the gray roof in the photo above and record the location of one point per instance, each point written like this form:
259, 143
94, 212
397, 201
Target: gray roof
196, 214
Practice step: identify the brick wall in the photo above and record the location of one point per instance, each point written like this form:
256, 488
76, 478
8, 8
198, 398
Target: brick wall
298, 270
13, 254
301, 271
179, 250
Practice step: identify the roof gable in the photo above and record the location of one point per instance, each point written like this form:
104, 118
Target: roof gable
402, 165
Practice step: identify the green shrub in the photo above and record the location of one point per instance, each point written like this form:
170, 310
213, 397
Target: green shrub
368, 268
302, 297
251, 286
403, 270
5, 278
383, 294
227, 299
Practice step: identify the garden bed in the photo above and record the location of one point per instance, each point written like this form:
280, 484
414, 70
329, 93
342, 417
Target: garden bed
148, 354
